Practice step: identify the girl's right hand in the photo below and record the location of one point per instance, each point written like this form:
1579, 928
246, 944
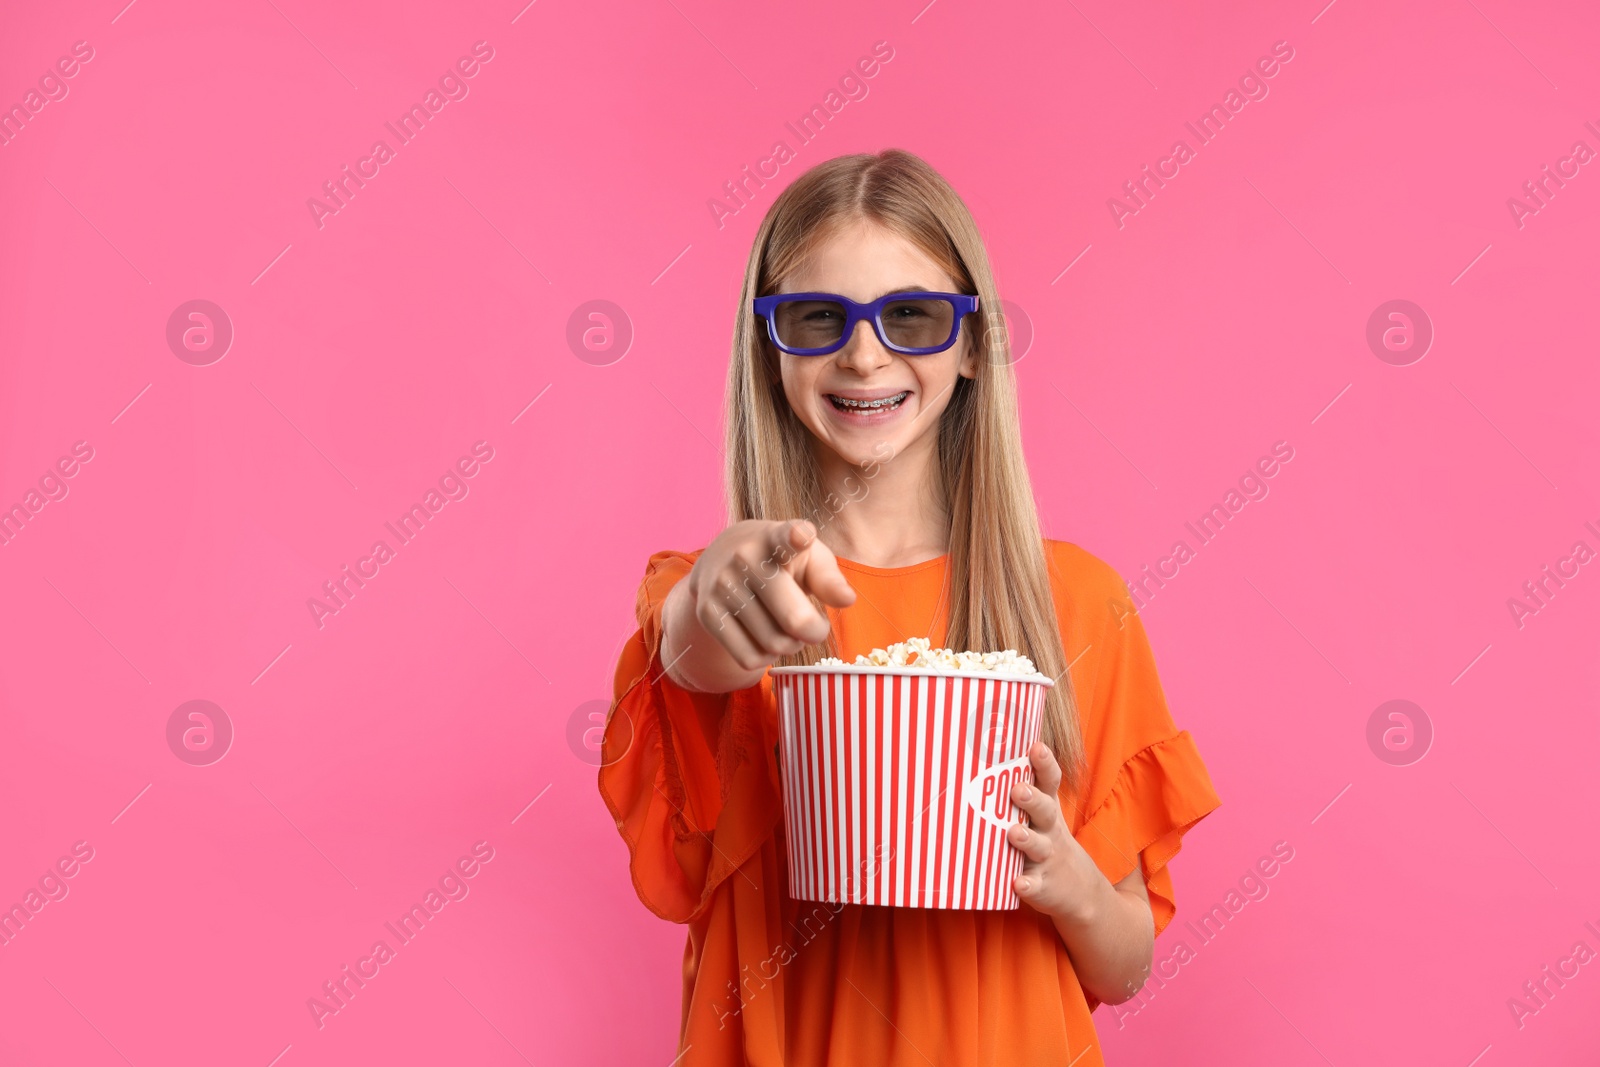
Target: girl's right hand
745, 603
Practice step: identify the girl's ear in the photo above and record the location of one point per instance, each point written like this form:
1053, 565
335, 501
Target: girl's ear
769, 363
968, 367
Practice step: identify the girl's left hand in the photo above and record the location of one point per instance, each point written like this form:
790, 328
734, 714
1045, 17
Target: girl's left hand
1058, 877
1107, 928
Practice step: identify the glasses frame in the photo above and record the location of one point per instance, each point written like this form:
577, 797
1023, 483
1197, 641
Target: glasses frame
767, 308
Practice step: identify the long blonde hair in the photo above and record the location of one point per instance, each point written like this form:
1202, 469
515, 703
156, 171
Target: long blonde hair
998, 578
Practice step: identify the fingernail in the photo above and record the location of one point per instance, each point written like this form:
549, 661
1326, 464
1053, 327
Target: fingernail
1027, 792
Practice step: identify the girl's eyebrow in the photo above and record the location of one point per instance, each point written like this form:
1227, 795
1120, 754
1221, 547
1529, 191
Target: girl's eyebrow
903, 289
892, 292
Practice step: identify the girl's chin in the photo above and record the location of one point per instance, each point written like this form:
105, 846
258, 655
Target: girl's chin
862, 448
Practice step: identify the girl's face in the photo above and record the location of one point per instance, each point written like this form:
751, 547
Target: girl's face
863, 261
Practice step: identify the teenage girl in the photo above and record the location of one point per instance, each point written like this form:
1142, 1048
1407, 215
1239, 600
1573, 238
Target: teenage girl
877, 491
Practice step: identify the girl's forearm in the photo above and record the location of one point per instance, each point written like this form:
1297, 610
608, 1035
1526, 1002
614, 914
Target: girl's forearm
1110, 938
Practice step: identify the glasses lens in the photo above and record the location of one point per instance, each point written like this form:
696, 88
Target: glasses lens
809, 323
918, 323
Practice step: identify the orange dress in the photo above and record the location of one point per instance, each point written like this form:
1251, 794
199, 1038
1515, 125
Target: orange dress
693, 784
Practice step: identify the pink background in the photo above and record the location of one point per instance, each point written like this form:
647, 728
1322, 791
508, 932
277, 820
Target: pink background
431, 711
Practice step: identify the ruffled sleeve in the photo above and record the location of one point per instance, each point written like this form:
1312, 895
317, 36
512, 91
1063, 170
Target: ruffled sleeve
688, 777
1147, 785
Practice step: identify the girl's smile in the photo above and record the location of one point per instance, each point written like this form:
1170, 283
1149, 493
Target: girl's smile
867, 407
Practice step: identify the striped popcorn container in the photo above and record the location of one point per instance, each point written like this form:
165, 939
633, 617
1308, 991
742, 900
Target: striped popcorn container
897, 783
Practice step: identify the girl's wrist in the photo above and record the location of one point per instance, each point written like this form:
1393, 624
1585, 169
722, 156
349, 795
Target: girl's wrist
676, 613
690, 656
1091, 908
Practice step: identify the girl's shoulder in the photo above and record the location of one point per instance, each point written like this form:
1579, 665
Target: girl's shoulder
673, 555
1079, 576
1091, 598
661, 572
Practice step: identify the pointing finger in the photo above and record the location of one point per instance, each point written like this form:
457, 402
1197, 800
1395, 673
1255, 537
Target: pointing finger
820, 575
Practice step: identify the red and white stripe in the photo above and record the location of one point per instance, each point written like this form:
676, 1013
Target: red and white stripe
896, 786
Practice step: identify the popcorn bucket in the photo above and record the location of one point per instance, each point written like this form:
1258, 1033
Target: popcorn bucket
897, 783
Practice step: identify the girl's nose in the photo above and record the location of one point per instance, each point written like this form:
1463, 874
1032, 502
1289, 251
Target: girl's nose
864, 353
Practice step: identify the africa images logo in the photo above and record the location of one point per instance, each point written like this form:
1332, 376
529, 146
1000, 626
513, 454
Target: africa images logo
453, 486
453, 886
452, 86
853, 87
1207, 128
